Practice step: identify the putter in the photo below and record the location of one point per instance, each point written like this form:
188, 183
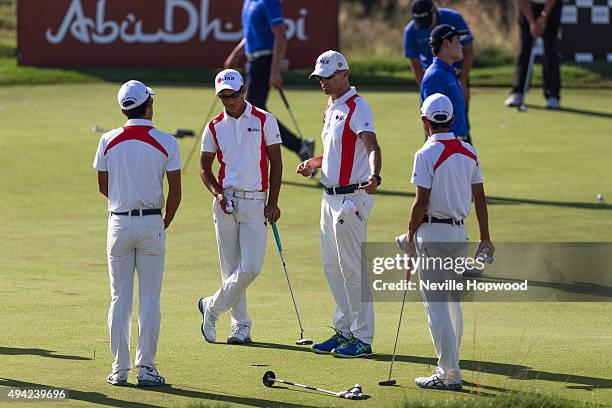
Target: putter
302, 341
522, 107
286, 102
197, 139
178, 134
389, 381
355, 392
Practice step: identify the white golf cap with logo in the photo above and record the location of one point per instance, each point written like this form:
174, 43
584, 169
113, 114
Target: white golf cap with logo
328, 63
437, 108
133, 94
228, 79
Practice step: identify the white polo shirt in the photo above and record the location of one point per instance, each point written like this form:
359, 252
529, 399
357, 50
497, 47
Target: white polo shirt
240, 145
136, 156
345, 159
448, 167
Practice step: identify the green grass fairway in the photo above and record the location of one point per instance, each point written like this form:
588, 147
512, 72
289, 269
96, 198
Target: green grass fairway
543, 171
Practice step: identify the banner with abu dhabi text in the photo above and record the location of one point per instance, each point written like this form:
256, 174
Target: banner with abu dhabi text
159, 33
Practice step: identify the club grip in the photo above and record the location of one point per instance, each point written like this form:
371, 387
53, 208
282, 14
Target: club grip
277, 237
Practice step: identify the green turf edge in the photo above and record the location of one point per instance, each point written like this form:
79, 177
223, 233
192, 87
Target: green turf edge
366, 74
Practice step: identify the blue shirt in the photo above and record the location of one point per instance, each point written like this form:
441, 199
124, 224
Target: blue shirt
441, 77
416, 42
258, 18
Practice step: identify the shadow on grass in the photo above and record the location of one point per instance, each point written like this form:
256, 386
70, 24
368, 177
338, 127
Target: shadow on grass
102, 399
235, 399
92, 397
582, 288
513, 371
606, 115
493, 200
517, 372
16, 351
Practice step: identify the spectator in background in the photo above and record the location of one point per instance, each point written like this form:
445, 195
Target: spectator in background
440, 77
264, 43
425, 17
538, 18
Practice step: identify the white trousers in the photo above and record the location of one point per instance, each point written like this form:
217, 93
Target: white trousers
342, 236
444, 317
135, 243
241, 239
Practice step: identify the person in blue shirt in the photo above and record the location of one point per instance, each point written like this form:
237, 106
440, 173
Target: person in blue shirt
264, 43
440, 76
425, 17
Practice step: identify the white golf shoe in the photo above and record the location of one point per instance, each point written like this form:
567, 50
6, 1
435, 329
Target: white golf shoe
514, 100
434, 382
241, 334
149, 377
209, 321
119, 378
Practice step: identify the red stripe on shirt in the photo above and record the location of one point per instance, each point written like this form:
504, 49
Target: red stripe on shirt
451, 147
140, 133
263, 161
349, 139
211, 126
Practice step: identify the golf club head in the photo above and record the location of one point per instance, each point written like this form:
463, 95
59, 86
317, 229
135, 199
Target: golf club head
268, 378
183, 133
303, 342
352, 393
388, 383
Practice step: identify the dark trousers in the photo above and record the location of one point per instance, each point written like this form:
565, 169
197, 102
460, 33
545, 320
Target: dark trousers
258, 83
551, 75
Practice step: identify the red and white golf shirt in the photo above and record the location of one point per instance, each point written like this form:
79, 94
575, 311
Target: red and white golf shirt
448, 167
136, 156
240, 145
345, 159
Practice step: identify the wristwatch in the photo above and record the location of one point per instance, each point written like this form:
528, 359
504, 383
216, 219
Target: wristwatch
377, 178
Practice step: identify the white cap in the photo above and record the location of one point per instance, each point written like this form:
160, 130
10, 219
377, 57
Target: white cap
133, 94
437, 108
228, 79
328, 63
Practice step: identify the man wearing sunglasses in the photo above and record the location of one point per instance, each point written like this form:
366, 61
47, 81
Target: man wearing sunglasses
264, 44
246, 142
350, 171
440, 77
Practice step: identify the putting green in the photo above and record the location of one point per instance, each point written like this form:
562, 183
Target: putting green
543, 171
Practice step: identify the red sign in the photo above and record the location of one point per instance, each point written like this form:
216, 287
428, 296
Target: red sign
159, 33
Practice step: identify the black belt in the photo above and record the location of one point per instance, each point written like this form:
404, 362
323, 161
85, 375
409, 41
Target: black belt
351, 188
133, 213
450, 221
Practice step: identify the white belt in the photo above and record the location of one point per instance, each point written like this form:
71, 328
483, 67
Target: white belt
247, 195
257, 54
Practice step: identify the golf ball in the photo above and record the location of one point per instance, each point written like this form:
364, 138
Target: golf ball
600, 197
522, 108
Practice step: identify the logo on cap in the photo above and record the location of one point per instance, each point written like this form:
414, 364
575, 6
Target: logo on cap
219, 80
324, 61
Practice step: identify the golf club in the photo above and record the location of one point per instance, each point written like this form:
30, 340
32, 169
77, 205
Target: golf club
355, 392
178, 134
302, 341
522, 107
389, 381
286, 102
198, 139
